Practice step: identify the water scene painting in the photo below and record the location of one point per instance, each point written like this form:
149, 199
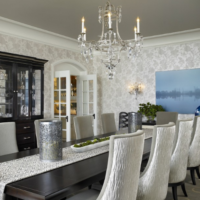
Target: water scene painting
178, 90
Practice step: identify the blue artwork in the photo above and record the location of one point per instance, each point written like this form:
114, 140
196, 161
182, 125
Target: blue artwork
178, 91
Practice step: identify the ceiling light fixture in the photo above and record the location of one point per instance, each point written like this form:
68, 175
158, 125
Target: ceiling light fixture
110, 43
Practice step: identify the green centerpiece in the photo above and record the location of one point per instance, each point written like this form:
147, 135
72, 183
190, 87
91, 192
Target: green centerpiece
90, 142
149, 110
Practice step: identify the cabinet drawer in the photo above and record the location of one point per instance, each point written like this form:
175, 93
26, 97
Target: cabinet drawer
25, 128
25, 138
24, 147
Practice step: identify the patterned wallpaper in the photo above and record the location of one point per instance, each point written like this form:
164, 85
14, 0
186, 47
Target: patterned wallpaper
113, 95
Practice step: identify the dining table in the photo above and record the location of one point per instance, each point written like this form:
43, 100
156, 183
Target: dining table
65, 181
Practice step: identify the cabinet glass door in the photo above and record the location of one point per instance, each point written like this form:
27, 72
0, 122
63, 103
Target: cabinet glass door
36, 92
23, 86
6, 90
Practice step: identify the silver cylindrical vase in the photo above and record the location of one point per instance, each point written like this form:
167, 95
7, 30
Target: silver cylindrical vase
134, 122
51, 140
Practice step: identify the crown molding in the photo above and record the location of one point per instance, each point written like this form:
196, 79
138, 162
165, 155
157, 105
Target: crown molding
172, 38
31, 33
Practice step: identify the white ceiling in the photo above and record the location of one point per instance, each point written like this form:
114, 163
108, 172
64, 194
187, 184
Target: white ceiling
64, 16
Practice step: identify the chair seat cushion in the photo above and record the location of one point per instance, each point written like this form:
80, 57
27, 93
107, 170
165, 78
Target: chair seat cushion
86, 195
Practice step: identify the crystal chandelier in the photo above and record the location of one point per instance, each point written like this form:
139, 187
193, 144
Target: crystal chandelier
110, 44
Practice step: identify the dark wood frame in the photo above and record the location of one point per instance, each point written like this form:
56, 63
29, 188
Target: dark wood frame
30, 63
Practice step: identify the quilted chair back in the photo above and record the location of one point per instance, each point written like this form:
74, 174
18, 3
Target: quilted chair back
194, 152
122, 174
153, 183
178, 168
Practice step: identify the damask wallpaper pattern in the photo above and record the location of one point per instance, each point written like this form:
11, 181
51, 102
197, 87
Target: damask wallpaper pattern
113, 95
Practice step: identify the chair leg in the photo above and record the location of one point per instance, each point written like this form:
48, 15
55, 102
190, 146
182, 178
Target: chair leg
174, 191
192, 176
198, 173
183, 189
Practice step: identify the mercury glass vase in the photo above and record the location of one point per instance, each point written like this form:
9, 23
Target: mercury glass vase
134, 122
51, 140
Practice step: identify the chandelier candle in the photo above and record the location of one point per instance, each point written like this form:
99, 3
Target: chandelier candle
135, 30
138, 25
85, 34
83, 20
110, 44
109, 20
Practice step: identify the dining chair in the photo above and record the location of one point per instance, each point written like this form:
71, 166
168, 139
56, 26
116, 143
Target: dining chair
178, 167
122, 174
123, 120
166, 117
153, 183
37, 129
194, 151
83, 126
8, 141
108, 122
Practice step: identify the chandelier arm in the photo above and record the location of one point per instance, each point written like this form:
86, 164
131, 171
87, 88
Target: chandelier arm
117, 29
102, 34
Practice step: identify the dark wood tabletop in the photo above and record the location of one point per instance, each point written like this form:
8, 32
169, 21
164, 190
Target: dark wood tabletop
61, 182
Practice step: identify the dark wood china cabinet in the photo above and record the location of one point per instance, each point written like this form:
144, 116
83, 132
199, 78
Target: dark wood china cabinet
22, 95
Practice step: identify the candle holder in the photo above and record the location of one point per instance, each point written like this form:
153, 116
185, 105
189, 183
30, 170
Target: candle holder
51, 140
134, 122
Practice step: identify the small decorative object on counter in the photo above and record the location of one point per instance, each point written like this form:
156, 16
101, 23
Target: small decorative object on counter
51, 140
197, 112
134, 122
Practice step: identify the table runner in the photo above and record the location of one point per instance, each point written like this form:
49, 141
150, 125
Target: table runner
22, 168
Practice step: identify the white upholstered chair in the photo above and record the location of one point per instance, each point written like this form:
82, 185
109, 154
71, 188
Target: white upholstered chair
122, 174
37, 129
166, 117
108, 122
83, 126
153, 183
194, 151
8, 140
178, 167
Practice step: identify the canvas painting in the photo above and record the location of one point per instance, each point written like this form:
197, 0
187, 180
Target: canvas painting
178, 90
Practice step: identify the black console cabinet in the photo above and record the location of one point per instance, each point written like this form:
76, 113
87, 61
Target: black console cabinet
22, 95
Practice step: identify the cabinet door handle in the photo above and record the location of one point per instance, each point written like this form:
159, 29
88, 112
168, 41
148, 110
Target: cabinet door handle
27, 148
27, 138
27, 127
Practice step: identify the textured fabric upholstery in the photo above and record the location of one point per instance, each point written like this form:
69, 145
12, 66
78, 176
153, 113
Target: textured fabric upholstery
194, 151
178, 167
122, 175
83, 126
108, 122
37, 129
153, 183
8, 141
166, 117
